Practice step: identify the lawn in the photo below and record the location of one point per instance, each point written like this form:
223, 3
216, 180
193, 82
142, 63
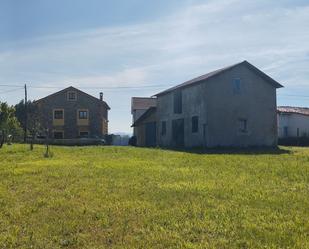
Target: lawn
122, 197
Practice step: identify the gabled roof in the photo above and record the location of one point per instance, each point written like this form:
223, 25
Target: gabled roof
142, 103
146, 114
218, 72
293, 110
71, 88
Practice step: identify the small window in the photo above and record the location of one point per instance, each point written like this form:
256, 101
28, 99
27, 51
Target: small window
297, 132
177, 102
163, 128
58, 114
58, 134
194, 124
83, 133
243, 125
236, 86
83, 114
285, 131
71, 96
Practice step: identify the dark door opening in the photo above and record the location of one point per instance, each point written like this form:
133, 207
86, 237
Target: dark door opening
204, 135
178, 132
151, 134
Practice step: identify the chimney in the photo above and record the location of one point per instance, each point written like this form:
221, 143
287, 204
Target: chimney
101, 96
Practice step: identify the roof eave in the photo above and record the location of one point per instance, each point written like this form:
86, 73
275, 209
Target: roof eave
144, 115
249, 65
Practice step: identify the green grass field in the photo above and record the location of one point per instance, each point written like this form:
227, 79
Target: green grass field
122, 197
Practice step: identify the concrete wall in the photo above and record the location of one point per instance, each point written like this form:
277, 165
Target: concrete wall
293, 122
219, 110
97, 114
193, 104
135, 115
140, 130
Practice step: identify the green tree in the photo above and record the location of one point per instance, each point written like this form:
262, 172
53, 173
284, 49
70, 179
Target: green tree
9, 124
33, 118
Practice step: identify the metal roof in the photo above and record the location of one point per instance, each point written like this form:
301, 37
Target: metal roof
293, 110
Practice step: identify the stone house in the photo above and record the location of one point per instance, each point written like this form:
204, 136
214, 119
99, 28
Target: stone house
232, 107
293, 121
72, 113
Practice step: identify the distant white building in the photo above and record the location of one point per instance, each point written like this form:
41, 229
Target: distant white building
293, 121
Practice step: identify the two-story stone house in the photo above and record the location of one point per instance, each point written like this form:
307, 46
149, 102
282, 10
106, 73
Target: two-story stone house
232, 106
71, 113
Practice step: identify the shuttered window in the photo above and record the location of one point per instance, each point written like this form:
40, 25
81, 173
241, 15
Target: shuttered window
163, 128
243, 125
83, 114
236, 86
58, 114
71, 96
194, 124
178, 102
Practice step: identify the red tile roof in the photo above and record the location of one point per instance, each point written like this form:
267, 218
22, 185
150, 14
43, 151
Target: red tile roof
142, 103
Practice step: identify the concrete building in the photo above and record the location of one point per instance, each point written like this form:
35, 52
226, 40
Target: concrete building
71, 113
233, 106
293, 121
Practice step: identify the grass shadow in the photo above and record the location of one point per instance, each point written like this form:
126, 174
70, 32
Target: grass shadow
234, 151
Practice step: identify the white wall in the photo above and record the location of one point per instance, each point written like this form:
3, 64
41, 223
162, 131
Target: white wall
292, 122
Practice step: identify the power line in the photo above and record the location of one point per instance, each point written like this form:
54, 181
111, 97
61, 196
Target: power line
11, 85
11, 90
17, 87
90, 87
107, 88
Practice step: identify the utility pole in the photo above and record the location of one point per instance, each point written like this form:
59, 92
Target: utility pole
26, 114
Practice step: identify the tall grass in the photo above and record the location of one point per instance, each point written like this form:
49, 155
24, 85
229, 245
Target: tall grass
122, 197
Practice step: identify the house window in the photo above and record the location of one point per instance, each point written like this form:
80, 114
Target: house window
285, 131
297, 132
178, 102
163, 128
71, 96
58, 134
243, 125
83, 133
236, 86
83, 114
58, 114
194, 125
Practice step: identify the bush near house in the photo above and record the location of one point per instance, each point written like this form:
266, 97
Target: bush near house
125, 197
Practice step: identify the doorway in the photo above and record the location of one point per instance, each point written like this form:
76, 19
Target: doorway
151, 134
178, 132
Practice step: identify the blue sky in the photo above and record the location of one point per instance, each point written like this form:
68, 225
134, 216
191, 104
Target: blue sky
97, 45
